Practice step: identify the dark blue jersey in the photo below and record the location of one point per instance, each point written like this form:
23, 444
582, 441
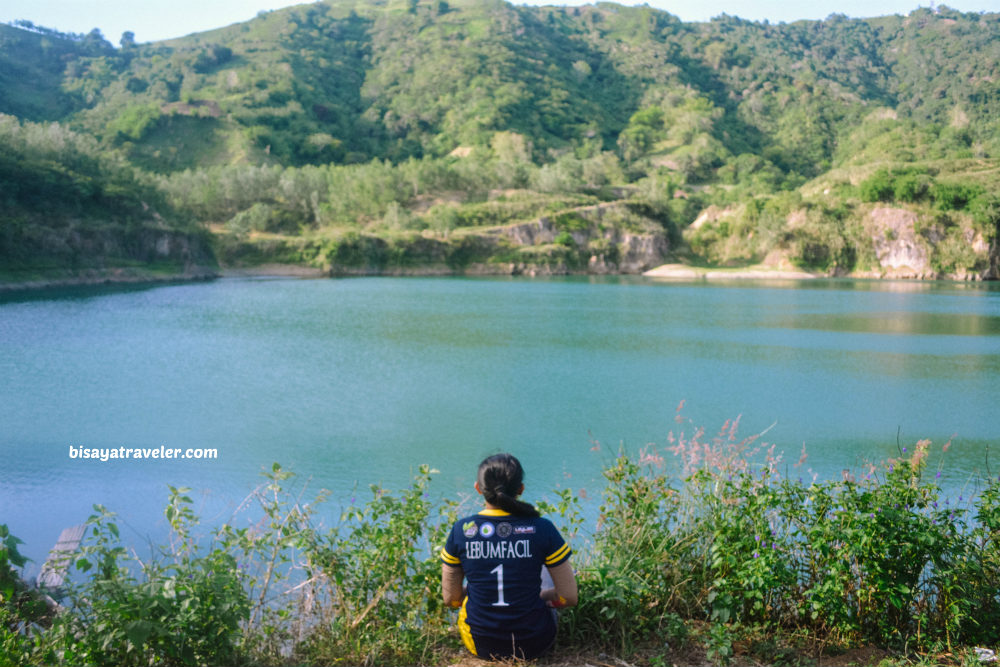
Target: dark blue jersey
502, 557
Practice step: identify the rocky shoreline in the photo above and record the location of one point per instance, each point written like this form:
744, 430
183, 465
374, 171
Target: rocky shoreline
669, 272
96, 277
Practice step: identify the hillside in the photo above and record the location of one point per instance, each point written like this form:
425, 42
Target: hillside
414, 135
72, 213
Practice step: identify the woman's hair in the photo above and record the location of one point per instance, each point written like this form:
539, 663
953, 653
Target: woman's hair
500, 478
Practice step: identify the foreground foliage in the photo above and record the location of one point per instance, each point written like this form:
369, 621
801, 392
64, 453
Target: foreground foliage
715, 551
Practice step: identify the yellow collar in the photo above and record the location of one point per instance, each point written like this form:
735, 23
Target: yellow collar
494, 513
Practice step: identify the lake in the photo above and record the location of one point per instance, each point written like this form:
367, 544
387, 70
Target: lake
358, 381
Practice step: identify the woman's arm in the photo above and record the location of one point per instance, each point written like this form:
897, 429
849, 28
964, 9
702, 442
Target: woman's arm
451, 585
563, 592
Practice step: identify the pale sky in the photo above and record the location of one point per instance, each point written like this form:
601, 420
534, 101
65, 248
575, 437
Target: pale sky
153, 20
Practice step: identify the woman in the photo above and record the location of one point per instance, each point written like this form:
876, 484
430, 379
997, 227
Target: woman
502, 551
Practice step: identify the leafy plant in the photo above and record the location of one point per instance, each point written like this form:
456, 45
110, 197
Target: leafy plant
700, 541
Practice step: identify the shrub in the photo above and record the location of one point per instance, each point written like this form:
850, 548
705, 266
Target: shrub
564, 239
703, 532
877, 187
910, 187
20, 607
953, 196
186, 611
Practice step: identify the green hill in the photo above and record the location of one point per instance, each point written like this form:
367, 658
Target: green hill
72, 212
396, 121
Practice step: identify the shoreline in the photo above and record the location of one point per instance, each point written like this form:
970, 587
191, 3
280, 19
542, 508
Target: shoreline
759, 272
98, 277
665, 272
273, 269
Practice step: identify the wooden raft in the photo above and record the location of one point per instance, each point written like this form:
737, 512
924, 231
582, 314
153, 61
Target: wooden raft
54, 570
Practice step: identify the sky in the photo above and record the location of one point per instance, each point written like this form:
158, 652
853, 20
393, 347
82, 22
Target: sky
153, 20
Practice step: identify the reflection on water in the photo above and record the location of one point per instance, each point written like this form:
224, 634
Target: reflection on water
898, 323
358, 381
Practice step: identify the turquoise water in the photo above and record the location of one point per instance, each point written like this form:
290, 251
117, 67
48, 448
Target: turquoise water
358, 381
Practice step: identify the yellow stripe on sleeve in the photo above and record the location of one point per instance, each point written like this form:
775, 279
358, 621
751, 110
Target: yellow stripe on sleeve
559, 554
448, 558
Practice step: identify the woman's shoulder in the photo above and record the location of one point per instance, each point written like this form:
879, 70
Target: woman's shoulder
481, 517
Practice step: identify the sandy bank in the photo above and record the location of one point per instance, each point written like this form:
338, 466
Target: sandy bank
685, 272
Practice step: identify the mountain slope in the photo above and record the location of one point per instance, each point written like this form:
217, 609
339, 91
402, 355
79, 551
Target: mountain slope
416, 116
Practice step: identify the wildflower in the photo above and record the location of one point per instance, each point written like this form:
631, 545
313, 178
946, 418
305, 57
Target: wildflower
756, 555
938, 476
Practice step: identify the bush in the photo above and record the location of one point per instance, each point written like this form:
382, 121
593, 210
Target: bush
953, 196
701, 538
877, 187
907, 185
910, 187
20, 607
186, 611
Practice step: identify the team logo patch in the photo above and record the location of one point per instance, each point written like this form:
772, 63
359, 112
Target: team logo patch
469, 529
524, 530
486, 529
504, 529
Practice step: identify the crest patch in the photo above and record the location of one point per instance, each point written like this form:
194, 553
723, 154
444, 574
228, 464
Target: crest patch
469, 529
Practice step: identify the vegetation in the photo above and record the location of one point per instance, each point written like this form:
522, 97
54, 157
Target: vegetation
391, 119
69, 205
699, 548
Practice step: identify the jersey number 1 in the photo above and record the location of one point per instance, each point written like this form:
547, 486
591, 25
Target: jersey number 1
498, 570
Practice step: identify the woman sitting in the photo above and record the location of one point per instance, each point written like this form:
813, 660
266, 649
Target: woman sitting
501, 552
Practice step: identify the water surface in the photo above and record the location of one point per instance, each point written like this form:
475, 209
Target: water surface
358, 381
